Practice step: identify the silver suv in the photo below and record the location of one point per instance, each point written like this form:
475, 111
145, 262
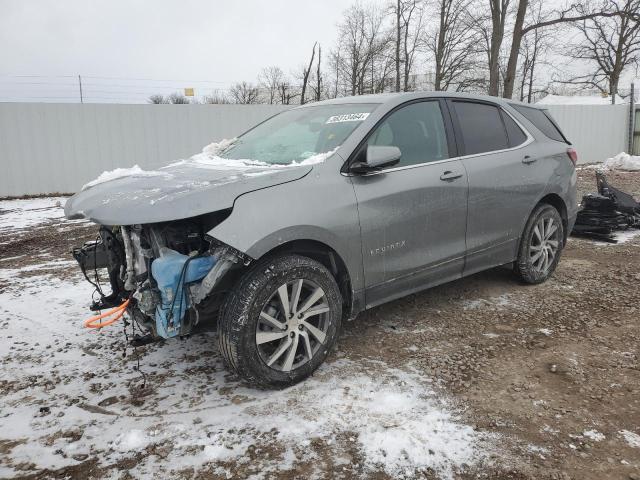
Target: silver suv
326, 210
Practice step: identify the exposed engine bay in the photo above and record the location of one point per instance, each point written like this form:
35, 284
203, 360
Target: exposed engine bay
171, 273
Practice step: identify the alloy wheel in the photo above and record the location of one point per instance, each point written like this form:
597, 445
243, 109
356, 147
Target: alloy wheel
544, 244
293, 325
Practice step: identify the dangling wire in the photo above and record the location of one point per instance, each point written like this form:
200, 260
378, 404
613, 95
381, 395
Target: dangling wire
115, 314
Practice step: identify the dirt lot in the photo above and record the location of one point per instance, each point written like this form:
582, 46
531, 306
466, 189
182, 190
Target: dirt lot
480, 378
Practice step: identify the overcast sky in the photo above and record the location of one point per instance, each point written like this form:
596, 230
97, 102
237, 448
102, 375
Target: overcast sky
212, 40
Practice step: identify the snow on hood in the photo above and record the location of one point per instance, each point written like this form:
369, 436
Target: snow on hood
209, 158
201, 184
134, 171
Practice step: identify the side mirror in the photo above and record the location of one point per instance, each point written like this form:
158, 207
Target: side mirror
377, 157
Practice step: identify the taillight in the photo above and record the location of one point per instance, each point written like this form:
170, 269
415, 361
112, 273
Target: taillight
573, 155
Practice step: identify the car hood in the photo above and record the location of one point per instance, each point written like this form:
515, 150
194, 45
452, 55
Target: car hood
181, 190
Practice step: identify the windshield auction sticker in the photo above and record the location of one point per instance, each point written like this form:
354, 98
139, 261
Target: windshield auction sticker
348, 117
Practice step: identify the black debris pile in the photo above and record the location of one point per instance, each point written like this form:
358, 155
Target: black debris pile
608, 211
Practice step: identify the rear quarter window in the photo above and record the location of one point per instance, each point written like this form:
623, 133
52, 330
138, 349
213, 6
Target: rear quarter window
514, 132
542, 122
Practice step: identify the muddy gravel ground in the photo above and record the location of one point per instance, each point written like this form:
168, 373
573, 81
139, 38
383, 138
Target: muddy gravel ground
480, 378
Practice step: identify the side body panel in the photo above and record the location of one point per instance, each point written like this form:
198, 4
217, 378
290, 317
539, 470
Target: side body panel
502, 193
413, 228
563, 181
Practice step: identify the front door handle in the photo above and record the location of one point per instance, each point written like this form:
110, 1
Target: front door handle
449, 175
528, 160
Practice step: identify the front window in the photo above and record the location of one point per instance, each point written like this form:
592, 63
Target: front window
296, 135
417, 130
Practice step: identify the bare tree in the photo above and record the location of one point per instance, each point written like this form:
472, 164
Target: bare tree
176, 98
216, 97
571, 14
286, 93
453, 43
245, 93
270, 79
409, 15
305, 74
157, 99
499, 10
318, 91
362, 44
398, 15
609, 45
531, 52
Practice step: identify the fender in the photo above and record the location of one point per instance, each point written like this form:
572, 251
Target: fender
264, 219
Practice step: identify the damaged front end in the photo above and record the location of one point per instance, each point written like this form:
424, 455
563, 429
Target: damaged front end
172, 273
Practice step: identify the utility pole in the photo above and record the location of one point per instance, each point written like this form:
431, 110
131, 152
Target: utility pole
337, 72
632, 120
80, 85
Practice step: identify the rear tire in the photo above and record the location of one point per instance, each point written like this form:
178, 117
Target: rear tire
280, 321
541, 245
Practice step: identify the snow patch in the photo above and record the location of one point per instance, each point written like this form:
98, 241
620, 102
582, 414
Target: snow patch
622, 161
594, 435
29, 213
499, 301
134, 171
132, 440
215, 148
621, 237
632, 439
210, 158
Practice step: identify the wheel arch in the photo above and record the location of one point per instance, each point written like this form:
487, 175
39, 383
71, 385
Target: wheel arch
330, 258
558, 203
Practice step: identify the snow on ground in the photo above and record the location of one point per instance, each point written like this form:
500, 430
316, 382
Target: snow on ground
621, 237
594, 435
632, 439
498, 301
21, 214
68, 395
622, 161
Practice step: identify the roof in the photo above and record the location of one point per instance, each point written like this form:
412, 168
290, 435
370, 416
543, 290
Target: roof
400, 97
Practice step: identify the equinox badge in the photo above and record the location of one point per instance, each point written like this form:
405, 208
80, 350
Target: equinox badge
387, 248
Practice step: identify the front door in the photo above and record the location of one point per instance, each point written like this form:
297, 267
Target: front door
412, 215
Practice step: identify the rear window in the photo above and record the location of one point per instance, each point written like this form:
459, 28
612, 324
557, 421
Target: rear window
542, 122
482, 128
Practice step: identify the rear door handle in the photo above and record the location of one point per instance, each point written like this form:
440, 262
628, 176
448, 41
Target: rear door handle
527, 160
449, 175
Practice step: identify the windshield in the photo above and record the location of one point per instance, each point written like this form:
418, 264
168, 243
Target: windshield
297, 135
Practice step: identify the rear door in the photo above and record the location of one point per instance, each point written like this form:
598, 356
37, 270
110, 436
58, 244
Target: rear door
412, 215
504, 182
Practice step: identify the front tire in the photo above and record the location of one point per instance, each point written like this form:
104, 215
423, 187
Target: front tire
280, 322
541, 245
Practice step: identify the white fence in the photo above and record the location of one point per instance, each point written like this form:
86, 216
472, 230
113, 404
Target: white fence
47, 148
597, 132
